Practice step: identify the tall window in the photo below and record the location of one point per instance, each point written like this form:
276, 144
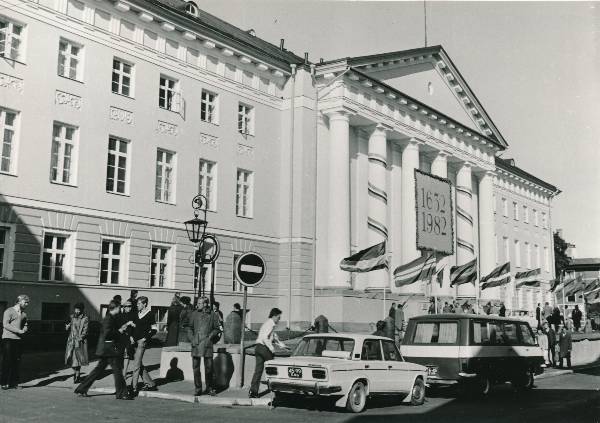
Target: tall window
536, 251
54, 257
207, 183
504, 207
544, 221
536, 222
528, 254
4, 236
111, 262
122, 75
165, 176
8, 120
506, 249
494, 202
243, 199
235, 285
525, 214
159, 266
168, 94
63, 162
116, 169
11, 39
546, 260
69, 59
517, 253
209, 107
515, 210
245, 119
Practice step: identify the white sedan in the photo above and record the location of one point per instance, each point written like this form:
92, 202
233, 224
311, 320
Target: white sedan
349, 368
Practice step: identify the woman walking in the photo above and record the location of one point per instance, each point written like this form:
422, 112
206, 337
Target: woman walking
76, 351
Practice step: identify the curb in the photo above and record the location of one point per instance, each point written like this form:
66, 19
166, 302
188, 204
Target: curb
553, 374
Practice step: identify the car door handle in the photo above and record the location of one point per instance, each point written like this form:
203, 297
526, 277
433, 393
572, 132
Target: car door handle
389, 367
366, 366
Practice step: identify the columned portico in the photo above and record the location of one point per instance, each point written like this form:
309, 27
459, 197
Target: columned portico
464, 224
487, 243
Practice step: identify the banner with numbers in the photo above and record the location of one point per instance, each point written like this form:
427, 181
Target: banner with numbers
435, 230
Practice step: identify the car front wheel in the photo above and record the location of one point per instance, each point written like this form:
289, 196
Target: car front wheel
418, 393
357, 397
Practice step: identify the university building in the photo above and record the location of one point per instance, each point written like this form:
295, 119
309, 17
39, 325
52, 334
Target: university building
116, 114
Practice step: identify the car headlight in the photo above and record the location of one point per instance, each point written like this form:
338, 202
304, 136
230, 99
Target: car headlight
319, 374
271, 371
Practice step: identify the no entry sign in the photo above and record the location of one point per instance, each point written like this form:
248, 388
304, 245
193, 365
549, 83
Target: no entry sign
250, 269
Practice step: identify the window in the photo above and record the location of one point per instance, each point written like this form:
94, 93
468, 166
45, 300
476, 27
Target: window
528, 255
191, 56
4, 250
243, 198
235, 285
505, 207
494, 202
191, 9
209, 107
248, 78
390, 352
8, 123
536, 250
56, 311
150, 39
517, 253
168, 94
526, 214
69, 59
63, 162
160, 267
371, 350
230, 71
172, 48
535, 218
544, 221
480, 333
122, 75
11, 39
111, 262
496, 249
263, 84
208, 270
165, 176
127, 30
116, 168
314, 347
75, 9
207, 183
102, 19
212, 64
245, 119
506, 249
436, 333
546, 260
54, 257
515, 211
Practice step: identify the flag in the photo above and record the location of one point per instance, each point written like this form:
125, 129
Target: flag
466, 273
530, 283
497, 277
528, 278
593, 296
554, 284
371, 258
577, 285
421, 269
439, 270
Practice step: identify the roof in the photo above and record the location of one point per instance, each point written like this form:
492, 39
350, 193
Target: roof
347, 335
508, 165
583, 264
463, 316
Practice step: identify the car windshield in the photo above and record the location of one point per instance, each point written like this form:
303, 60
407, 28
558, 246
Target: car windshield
314, 346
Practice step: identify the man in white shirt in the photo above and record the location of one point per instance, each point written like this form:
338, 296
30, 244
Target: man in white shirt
264, 349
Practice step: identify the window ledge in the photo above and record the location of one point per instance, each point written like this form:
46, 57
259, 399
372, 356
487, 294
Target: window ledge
122, 194
13, 60
123, 95
14, 175
245, 217
70, 79
210, 123
168, 203
64, 184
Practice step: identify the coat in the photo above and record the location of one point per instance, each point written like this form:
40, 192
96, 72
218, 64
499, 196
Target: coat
110, 341
173, 322
202, 328
565, 343
77, 347
551, 337
184, 323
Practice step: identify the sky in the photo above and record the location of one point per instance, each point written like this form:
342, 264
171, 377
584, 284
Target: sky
535, 67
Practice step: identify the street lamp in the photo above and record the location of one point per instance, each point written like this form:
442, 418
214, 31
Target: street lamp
196, 231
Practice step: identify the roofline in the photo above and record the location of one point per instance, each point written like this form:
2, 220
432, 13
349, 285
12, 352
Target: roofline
352, 60
504, 164
462, 316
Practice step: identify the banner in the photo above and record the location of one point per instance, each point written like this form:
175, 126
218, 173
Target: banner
433, 197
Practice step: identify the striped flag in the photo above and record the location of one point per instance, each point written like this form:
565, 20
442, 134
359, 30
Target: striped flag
528, 278
593, 296
576, 286
417, 270
372, 258
497, 277
466, 273
439, 270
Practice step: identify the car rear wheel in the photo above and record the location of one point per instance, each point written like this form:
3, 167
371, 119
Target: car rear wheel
418, 393
357, 397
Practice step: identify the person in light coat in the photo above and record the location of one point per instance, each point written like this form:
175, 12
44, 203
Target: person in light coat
542, 339
77, 349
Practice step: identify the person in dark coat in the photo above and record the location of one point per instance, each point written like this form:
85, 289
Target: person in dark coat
551, 342
232, 332
576, 316
502, 311
184, 318
76, 351
203, 327
380, 326
173, 322
538, 316
566, 345
321, 324
556, 318
110, 351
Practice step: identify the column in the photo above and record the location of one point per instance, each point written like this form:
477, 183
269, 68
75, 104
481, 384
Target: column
487, 241
395, 210
338, 220
377, 200
464, 225
439, 167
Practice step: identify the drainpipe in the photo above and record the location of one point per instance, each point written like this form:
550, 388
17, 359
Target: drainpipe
291, 200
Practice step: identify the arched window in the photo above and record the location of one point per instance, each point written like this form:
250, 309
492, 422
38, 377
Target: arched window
191, 8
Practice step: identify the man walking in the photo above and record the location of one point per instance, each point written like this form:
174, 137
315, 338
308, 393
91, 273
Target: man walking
576, 316
538, 316
264, 349
566, 345
551, 342
145, 328
14, 323
203, 326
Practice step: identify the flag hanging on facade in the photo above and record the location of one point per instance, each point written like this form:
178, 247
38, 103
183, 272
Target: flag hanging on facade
554, 284
497, 277
593, 296
421, 269
466, 273
528, 278
577, 285
372, 258
439, 270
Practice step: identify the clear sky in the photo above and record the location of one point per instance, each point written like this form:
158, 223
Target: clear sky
535, 66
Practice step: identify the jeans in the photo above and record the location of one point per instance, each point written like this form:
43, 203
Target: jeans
208, 373
11, 358
138, 366
116, 364
261, 354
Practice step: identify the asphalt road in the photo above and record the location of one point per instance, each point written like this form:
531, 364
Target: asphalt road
567, 398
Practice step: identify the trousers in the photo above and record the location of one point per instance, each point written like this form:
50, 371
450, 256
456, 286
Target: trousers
138, 366
261, 354
11, 358
116, 364
208, 373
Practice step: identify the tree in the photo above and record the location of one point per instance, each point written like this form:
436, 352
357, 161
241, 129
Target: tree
561, 259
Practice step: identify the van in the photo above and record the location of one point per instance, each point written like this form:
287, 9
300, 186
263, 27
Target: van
473, 351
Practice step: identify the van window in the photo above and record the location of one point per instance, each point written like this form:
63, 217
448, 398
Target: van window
481, 333
371, 350
510, 333
526, 334
436, 333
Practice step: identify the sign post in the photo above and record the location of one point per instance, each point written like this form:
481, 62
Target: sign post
250, 270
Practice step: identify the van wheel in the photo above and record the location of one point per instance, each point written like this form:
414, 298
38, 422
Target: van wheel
418, 393
525, 380
357, 398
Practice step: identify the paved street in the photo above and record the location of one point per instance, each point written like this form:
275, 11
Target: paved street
567, 398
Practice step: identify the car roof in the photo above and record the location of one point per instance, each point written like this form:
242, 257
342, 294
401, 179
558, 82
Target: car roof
462, 316
355, 336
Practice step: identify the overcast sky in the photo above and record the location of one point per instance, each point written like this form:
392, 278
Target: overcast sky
535, 67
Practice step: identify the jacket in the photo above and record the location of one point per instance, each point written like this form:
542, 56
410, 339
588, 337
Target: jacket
202, 327
110, 341
13, 323
551, 337
145, 325
565, 343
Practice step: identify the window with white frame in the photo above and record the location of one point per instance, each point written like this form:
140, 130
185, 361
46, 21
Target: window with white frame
207, 183
536, 252
168, 94
525, 214
112, 262
70, 56
245, 119
8, 125
515, 210
544, 221
506, 249
5, 249
528, 255
546, 260
517, 253
117, 180
505, 207
497, 250
63, 160
11, 39
55, 257
536, 222
122, 78
494, 202
244, 193
160, 266
165, 176
209, 110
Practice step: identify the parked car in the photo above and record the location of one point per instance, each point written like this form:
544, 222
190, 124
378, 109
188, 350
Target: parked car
474, 351
348, 368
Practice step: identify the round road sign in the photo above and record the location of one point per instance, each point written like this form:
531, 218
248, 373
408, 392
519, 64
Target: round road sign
250, 269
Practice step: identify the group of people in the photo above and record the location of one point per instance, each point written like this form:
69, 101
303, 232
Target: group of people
393, 325
554, 316
556, 345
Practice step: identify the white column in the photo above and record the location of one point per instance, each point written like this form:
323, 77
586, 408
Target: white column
439, 167
338, 225
464, 224
377, 217
487, 241
396, 232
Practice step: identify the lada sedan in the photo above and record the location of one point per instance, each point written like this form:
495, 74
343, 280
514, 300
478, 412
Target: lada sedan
348, 368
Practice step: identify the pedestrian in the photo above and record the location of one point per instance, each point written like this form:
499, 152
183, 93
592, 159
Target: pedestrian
431, 309
399, 323
566, 345
133, 298
576, 315
232, 333
551, 335
547, 312
392, 312
389, 329
556, 318
265, 348
487, 309
145, 328
380, 328
173, 321
321, 324
14, 322
110, 351
446, 308
127, 316
76, 351
542, 340
538, 316
184, 318
502, 311
117, 300
237, 308
203, 326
